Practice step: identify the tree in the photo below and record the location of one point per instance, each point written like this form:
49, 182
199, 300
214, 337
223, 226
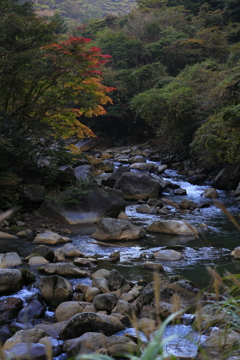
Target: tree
45, 86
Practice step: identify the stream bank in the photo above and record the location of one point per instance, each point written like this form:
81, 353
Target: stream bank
212, 247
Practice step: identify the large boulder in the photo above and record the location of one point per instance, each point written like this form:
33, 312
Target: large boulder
50, 238
105, 302
10, 259
88, 143
90, 207
68, 309
138, 186
24, 336
32, 192
9, 309
23, 351
55, 289
116, 229
210, 193
88, 321
111, 180
172, 227
85, 344
10, 281
63, 269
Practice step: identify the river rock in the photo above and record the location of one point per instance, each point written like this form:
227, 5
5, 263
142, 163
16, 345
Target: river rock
83, 172
172, 227
210, 193
160, 169
115, 280
183, 288
138, 186
37, 261
70, 250
53, 344
24, 336
88, 321
50, 238
89, 262
143, 166
153, 266
115, 229
105, 302
86, 344
101, 283
9, 308
91, 292
23, 351
123, 307
110, 181
88, 143
32, 193
4, 235
96, 204
52, 330
55, 289
169, 255
10, 259
155, 203
236, 252
44, 251
33, 310
144, 209
121, 345
187, 204
63, 269
180, 192
101, 273
10, 281
220, 344
68, 309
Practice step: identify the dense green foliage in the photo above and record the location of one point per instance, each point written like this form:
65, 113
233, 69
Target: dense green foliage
83, 10
176, 69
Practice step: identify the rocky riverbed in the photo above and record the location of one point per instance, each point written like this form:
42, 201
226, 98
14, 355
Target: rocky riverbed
58, 293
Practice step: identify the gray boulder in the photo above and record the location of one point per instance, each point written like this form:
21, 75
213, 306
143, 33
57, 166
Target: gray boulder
68, 309
116, 229
105, 302
170, 255
24, 336
63, 269
172, 227
91, 207
9, 309
32, 192
85, 344
210, 193
88, 321
10, 281
50, 238
138, 186
55, 289
10, 259
23, 351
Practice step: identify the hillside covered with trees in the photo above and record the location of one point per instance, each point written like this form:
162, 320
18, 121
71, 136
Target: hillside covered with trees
83, 10
171, 74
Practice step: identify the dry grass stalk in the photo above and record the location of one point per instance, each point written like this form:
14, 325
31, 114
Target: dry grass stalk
7, 214
157, 281
227, 213
217, 281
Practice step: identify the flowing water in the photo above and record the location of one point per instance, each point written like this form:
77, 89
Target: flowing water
213, 248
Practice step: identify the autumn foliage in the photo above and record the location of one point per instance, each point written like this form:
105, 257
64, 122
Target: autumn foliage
75, 78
